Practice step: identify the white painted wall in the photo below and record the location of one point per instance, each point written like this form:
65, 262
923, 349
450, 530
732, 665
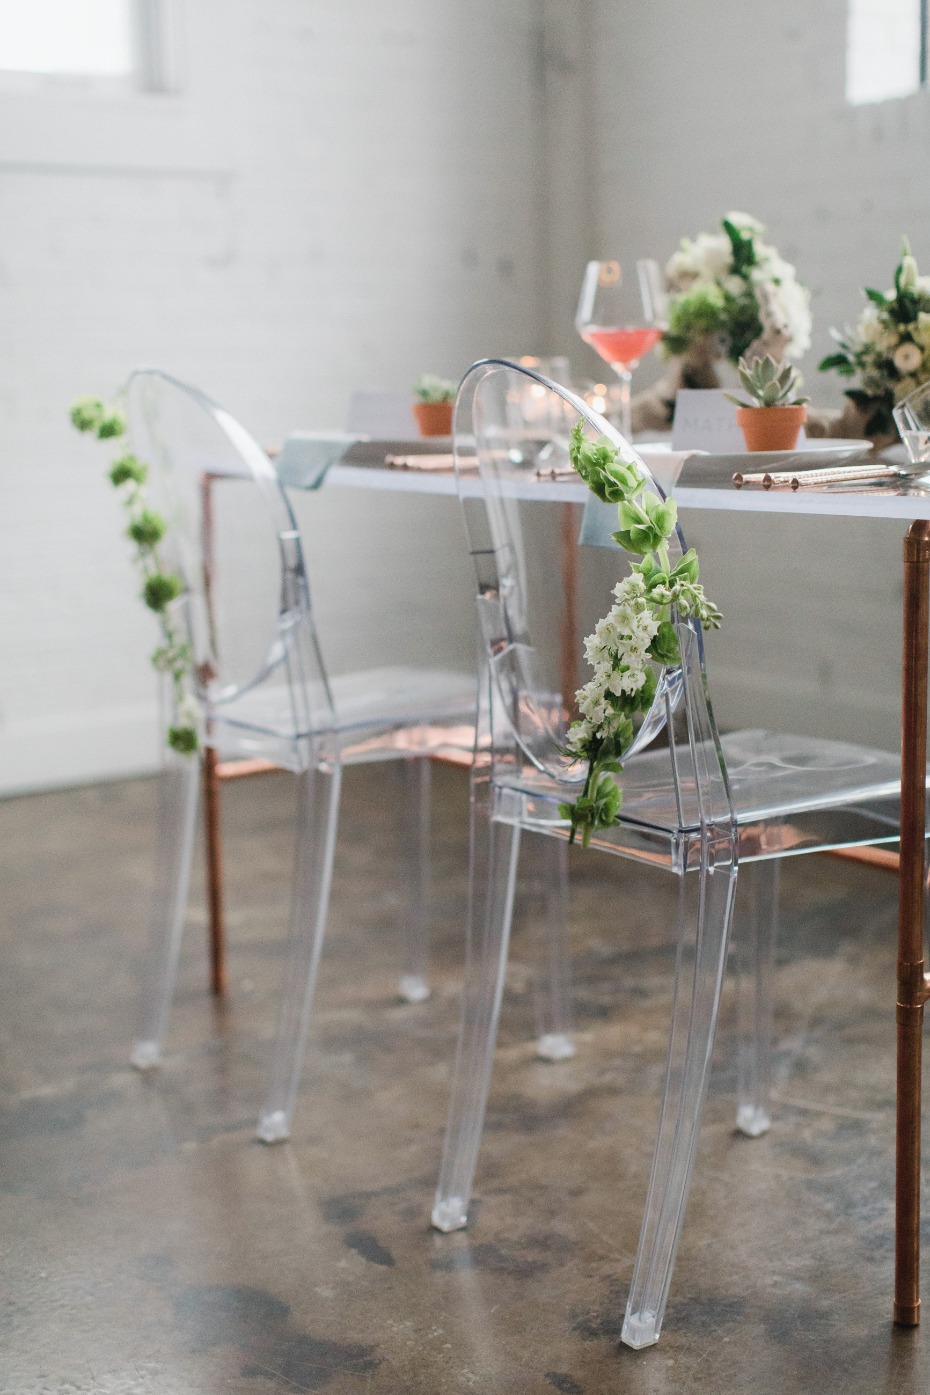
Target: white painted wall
740, 104
343, 193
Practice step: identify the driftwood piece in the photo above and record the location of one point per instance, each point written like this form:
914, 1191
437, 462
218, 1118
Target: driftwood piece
652, 410
845, 424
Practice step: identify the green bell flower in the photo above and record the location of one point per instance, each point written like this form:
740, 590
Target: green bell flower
645, 525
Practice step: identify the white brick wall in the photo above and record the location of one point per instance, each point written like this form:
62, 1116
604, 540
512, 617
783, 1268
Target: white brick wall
346, 193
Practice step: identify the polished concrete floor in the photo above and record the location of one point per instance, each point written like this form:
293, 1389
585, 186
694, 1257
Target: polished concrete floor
149, 1245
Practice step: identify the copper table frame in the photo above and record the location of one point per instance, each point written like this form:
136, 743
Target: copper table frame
913, 982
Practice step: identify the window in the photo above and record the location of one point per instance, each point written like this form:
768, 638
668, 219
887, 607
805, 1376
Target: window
886, 49
122, 40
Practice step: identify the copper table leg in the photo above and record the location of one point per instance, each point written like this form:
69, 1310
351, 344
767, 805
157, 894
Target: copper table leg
912, 980
214, 850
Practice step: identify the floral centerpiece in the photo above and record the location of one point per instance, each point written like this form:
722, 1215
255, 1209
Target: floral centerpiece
731, 295
889, 349
735, 291
636, 638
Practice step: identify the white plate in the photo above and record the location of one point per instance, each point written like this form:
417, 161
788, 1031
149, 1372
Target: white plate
813, 455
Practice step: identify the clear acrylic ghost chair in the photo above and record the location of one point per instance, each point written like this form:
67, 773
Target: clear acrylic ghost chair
693, 806
262, 691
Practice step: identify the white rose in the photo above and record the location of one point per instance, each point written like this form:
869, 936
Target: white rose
907, 358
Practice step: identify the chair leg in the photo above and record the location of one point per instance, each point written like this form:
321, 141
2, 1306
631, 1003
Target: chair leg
213, 843
414, 802
494, 852
755, 958
552, 977
702, 950
177, 816
313, 868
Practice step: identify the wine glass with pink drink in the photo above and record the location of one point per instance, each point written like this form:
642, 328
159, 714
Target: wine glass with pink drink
622, 317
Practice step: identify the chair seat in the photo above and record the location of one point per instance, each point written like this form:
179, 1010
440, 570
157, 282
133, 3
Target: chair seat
370, 706
790, 794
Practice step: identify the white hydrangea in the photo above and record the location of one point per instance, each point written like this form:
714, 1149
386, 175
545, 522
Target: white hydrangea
712, 255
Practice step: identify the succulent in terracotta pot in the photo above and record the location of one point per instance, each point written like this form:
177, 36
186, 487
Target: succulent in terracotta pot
773, 416
433, 407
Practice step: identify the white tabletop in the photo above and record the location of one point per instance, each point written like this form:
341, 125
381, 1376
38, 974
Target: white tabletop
904, 501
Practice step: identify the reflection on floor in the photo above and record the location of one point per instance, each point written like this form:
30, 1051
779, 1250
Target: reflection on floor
152, 1247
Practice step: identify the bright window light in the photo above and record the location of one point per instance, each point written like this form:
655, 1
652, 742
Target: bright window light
90, 37
883, 49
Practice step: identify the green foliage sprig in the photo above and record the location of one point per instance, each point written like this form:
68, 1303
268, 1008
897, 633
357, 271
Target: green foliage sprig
146, 528
636, 638
889, 349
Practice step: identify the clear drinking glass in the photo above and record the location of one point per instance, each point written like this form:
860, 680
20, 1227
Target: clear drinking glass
622, 318
912, 418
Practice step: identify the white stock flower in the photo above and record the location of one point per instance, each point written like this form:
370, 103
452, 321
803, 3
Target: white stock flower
188, 714
745, 222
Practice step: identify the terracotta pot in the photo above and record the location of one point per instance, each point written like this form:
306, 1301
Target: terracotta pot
771, 428
433, 418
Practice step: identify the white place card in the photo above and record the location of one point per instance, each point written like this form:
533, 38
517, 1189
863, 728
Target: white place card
384, 416
705, 420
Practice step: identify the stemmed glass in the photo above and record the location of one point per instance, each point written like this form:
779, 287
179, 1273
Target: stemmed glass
912, 418
622, 318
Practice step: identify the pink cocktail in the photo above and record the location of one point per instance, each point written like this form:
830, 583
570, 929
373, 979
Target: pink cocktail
622, 348
622, 318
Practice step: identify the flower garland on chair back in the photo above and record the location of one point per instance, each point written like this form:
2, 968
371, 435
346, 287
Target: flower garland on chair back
146, 528
731, 295
636, 637
889, 352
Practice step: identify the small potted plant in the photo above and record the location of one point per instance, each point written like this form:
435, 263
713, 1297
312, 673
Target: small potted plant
773, 416
433, 408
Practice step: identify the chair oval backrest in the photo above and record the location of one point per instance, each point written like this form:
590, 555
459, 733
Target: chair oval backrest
511, 442
232, 536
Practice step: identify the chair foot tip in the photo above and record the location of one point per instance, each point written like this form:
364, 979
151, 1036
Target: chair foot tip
274, 1127
146, 1055
639, 1330
555, 1046
752, 1121
450, 1215
907, 1314
414, 989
